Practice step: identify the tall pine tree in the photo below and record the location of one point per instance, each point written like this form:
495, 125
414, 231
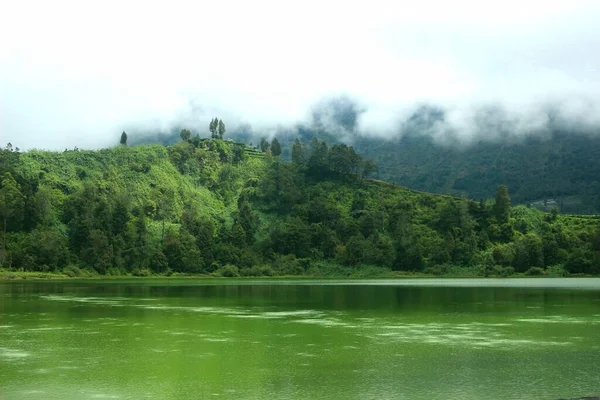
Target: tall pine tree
275, 147
221, 129
212, 127
501, 209
298, 156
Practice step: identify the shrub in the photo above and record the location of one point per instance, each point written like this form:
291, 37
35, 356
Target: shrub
437, 270
535, 271
499, 270
114, 271
141, 272
73, 271
258, 270
556, 270
228, 271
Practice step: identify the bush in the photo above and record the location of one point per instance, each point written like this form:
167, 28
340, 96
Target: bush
437, 270
499, 270
228, 271
461, 271
535, 271
113, 271
556, 270
258, 270
141, 272
73, 271
288, 265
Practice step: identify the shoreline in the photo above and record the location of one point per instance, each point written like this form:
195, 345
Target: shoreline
8, 276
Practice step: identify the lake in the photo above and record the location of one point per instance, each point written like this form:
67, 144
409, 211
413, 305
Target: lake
300, 339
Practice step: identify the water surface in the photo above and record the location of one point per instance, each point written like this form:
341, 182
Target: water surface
253, 339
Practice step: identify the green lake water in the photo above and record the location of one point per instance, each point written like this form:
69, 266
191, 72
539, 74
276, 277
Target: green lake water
270, 339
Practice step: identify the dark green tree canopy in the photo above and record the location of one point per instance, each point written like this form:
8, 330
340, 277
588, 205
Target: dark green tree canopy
501, 209
275, 147
123, 140
206, 206
264, 145
185, 135
212, 127
298, 156
221, 129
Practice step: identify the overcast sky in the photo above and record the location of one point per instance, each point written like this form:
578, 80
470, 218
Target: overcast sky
76, 73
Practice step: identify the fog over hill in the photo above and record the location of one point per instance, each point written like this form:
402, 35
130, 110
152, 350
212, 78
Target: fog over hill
75, 74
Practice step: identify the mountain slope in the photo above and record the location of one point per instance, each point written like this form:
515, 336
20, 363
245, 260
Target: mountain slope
213, 206
555, 167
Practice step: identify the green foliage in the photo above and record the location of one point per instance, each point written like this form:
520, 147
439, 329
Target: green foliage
208, 206
275, 147
228, 271
264, 145
212, 127
221, 129
298, 153
501, 209
185, 135
258, 270
560, 167
123, 140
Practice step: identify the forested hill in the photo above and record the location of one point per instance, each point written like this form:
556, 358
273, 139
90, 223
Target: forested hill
215, 206
554, 169
561, 169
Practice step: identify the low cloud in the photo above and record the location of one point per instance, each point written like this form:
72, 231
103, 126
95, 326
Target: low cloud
76, 74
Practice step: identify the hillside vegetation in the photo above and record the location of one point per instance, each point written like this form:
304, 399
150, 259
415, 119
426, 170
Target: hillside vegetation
213, 206
561, 168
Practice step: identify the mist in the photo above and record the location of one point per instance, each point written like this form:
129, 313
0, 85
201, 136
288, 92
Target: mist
78, 74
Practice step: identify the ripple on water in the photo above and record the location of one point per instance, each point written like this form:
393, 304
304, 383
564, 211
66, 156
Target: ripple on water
295, 313
104, 396
46, 328
112, 301
13, 354
326, 322
470, 335
559, 319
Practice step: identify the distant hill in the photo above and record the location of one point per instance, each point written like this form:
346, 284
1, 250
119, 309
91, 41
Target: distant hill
556, 168
562, 169
559, 168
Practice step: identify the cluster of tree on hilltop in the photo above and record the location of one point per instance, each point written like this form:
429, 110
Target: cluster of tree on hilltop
213, 206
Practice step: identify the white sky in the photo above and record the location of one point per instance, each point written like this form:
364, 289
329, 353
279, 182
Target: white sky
76, 73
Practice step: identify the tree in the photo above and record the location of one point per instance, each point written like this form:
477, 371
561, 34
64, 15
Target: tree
369, 167
275, 147
298, 155
185, 135
501, 209
264, 145
212, 127
318, 159
123, 140
247, 220
12, 203
221, 127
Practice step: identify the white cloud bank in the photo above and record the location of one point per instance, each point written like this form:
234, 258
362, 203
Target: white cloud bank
76, 73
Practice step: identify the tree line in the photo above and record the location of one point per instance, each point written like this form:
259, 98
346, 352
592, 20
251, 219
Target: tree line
211, 206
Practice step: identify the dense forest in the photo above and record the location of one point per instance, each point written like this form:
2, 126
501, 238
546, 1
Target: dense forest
557, 168
561, 168
214, 206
